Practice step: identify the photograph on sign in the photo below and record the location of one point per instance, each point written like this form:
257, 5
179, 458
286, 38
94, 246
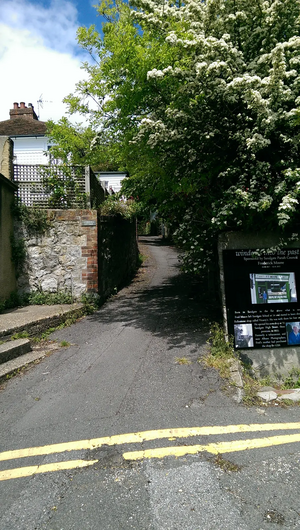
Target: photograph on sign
273, 288
243, 335
293, 333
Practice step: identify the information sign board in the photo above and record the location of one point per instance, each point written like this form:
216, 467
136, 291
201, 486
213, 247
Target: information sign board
262, 292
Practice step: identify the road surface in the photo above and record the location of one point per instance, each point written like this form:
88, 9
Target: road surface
126, 429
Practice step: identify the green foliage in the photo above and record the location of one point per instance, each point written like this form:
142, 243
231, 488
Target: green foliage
75, 144
20, 335
69, 141
48, 298
182, 360
288, 403
36, 298
220, 353
115, 205
91, 302
219, 347
45, 334
64, 183
250, 388
200, 102
269, 380
141, 259
35, 220
144, 228
292, 380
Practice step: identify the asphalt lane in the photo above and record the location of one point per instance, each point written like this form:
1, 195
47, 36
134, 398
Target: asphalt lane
77, 425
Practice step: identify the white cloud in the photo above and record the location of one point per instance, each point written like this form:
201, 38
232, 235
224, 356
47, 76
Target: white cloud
38, 55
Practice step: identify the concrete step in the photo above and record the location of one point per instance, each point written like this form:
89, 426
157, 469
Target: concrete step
36, 319
39, 351
14, 348
15, 354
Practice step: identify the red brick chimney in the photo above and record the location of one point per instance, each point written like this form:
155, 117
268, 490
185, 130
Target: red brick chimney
23, 112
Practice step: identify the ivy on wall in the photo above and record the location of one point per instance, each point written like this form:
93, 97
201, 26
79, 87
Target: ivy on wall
35, 222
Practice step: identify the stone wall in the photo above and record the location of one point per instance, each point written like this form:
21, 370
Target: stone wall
58, 260
80, 253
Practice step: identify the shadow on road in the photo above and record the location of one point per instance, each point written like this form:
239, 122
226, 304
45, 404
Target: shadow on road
179, 309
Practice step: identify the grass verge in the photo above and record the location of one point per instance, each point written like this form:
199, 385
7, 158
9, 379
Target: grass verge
220, 356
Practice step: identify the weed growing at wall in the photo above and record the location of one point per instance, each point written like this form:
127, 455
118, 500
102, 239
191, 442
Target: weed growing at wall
20, 335
35, 220
91, 302
219, 356
219, 347
46, 298
141, 259
250, 388
220, 351
293, 379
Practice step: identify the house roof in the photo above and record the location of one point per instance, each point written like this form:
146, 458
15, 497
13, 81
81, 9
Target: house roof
22, 127
23, 122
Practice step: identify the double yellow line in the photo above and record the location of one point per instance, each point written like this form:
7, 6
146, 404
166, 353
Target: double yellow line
144, 436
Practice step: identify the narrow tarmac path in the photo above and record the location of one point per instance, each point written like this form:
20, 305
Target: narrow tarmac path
62, 468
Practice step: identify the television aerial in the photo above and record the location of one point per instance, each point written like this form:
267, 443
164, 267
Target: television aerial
40, 104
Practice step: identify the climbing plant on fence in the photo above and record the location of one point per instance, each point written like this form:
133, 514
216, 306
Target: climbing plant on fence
65, 185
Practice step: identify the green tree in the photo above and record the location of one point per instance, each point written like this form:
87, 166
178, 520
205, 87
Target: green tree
200, 101
76, 144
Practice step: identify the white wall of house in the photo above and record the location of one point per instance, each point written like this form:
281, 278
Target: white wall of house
30, 149
112, 180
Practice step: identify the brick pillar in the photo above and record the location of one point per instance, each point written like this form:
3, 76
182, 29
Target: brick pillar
90, 250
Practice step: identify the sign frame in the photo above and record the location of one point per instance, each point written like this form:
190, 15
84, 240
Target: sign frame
262, 296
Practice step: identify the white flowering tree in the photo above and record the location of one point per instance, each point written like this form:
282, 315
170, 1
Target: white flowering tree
202, 100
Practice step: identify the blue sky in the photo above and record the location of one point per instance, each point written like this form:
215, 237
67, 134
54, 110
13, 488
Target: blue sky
39, 56
86, 13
